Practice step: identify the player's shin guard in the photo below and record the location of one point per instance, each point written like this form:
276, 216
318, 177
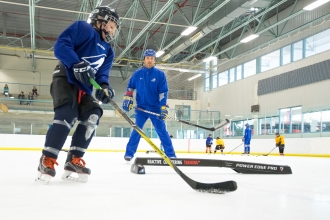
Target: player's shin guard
84, 133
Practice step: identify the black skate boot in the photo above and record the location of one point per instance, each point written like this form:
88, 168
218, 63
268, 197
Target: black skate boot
76, 165
46, 169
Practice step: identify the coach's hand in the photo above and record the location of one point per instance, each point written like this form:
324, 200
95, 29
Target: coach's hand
164, 112
128, 101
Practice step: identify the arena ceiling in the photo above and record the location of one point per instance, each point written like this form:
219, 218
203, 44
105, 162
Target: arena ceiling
34, 25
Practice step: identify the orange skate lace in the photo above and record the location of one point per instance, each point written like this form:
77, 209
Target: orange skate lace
49, 162
78, 161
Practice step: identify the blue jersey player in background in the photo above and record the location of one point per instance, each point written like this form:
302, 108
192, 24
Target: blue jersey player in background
84, 52
247, 139
151, 89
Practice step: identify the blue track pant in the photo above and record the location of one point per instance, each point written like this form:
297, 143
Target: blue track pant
159, 124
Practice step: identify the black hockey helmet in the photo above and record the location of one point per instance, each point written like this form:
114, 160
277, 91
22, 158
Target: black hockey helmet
105, 14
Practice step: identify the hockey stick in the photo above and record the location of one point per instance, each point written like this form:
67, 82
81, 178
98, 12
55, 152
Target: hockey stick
269, 152
234, 148
220, 188
223, 123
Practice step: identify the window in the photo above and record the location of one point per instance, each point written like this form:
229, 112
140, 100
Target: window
290, 120
285, 120
268, 125
326, 121
232, 75
250, 68
318, 43
286, 55
239, 72
312, 122
223, 78
238, 127
298, 50
215, 81
296, 120
270, 61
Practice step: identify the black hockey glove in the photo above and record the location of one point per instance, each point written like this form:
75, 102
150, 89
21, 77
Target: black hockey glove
103, 94
83, 72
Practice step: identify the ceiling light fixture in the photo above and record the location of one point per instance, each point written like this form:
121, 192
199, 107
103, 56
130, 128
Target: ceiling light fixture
194, 77
249, 38
206, 60
159, 53
315, 5
188, 31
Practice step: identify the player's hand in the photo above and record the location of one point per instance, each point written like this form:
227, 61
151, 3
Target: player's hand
164, 112
104, 93
128, 101
243, 139
82, 72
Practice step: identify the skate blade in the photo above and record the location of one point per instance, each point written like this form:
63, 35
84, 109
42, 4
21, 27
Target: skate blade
43, 178
68, 175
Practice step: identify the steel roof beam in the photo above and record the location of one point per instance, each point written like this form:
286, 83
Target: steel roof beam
157, 15
32, 31
201, 19
235, 29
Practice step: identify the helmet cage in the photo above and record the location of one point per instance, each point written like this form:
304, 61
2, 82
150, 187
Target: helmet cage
104, 14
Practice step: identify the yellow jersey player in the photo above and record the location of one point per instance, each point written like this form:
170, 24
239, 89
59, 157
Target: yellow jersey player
280, 143
220, 145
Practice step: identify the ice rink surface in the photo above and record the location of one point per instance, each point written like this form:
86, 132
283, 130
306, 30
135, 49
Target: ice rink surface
113, 192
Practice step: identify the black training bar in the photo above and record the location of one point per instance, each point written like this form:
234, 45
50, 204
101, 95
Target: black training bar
238, 166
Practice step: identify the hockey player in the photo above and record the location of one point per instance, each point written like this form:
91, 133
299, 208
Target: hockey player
280, 143
209, 142
220, 145
247, 139
84, 52
151, 94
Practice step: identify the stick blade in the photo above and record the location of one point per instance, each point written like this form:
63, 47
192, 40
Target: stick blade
223, 123
217, 188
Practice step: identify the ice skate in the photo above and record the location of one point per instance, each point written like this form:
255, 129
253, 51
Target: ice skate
75, 165
128, 158
46, 169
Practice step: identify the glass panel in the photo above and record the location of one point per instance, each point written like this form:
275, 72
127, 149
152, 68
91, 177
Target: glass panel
250, 68
318, 43
286, 51
207, 84
312, 122
297, 51
270, 61
215, 81
296, 120
285, 119
237, 128
223, 78
326, 121
232, 75
268, 125
126, 132
117, 132
239, 72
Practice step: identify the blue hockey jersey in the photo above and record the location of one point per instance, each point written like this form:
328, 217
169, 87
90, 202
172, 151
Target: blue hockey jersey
247, 135
81, 42
151, 88
209, 141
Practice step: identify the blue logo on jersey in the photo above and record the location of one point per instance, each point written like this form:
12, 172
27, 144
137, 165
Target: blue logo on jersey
95, 61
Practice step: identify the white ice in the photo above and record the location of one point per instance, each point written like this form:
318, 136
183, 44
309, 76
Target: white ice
113, 192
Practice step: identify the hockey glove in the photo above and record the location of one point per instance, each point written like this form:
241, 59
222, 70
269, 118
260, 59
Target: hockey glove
103, 94
82, 72
128, 101
164, 112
